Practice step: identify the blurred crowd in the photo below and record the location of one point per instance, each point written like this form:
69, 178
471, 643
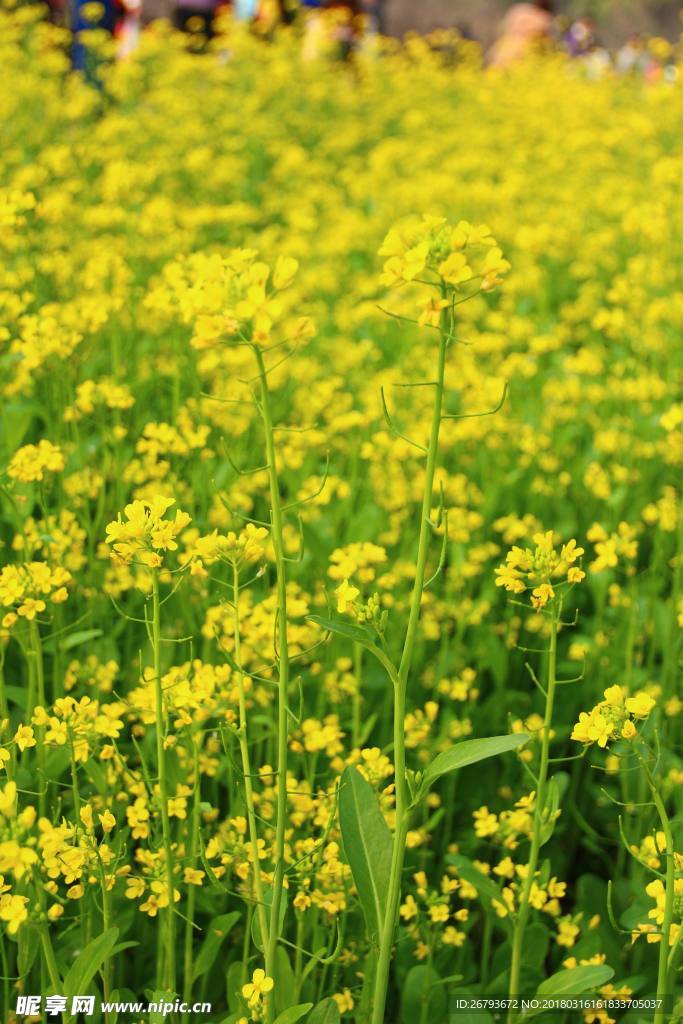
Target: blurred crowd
534, 26
338, 28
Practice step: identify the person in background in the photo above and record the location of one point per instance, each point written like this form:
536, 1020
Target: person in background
580, 37
632, 57
128, 28
346, 17
245, 10
525, 27
374, 16
196, 17
87, 16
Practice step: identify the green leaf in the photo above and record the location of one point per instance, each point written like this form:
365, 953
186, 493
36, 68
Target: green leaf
216, 933
576, 980
78, 638
486, 888
359, 635
349, 630
293, 1014
16, 420
422, 986
119, 948
236, 978
18, 695
367, 845
88, 963
473, 1016
326, 1012
159, 996
284, 993
536, 944
466, 753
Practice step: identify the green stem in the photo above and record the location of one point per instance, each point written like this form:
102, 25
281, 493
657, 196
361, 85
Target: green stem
191, 893
669, 897
75, 789
283, 665
4, 707
357, 698
5, 978
170, 972
425, 1001
247, 773
539, 816
672, 642
36, 649
298, 956
106, 924
400, 689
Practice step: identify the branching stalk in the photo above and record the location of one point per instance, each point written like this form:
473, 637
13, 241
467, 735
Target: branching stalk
401, 686
539, 813
170, 961
663, 967
247, 773
282, 658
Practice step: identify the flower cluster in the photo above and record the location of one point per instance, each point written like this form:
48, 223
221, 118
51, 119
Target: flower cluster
431, 250
540, 569
237, 549
144, 535
657, 892
30, 463
24, 589
613, 718
234, 297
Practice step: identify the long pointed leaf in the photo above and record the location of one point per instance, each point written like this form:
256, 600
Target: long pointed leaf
89, 962
469, 752
367, 845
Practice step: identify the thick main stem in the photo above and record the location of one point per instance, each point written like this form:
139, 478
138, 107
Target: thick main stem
539, 812
283, 663
170, 972
400, 689
246, 771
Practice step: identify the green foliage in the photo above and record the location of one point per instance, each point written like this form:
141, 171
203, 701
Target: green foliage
367, 846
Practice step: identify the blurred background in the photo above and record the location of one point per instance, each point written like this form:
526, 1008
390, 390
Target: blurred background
615, 19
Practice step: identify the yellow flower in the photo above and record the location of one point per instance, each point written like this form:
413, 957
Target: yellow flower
344, 1000
285, 271
30, 463
541, 595
346, 594
640, 705
192, 876
24, 737
628, 730
409, 908
593, 728
13, 910
614, 696
257, 988
107, 821
144, 533
439, 912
